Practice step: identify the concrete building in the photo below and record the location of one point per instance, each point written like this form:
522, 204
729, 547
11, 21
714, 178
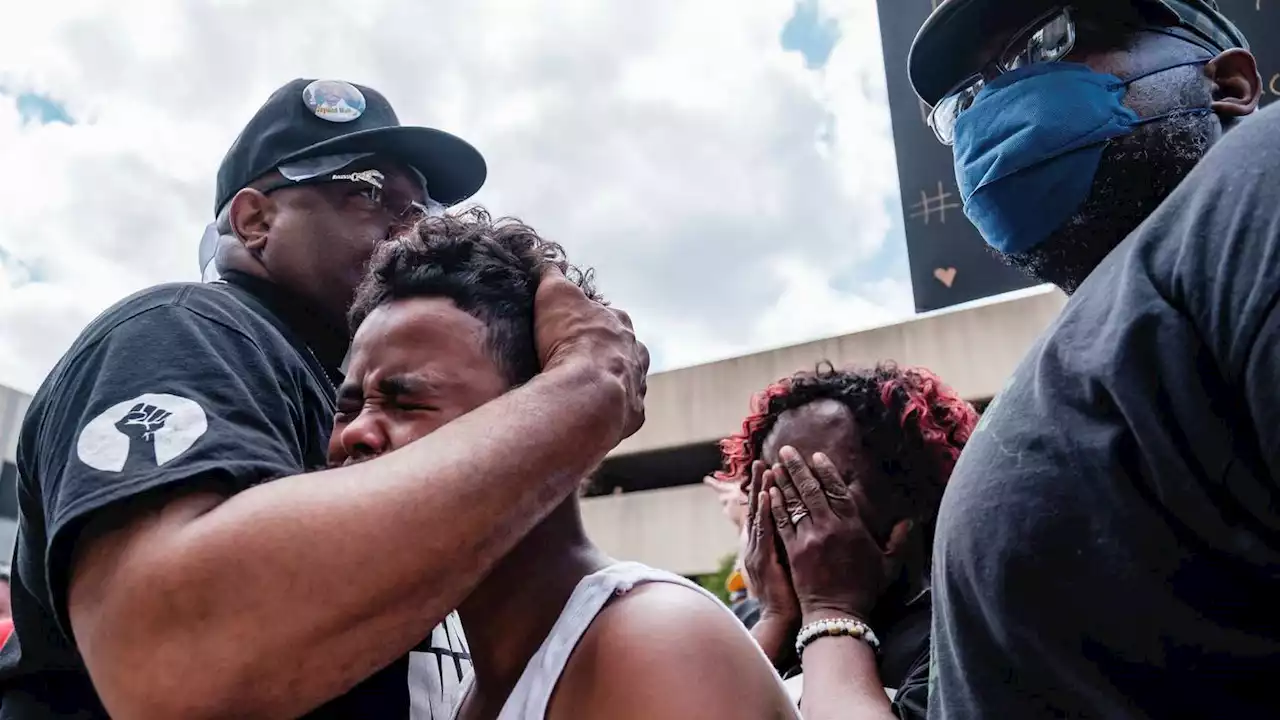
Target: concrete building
13, 405
653, 506
659, 512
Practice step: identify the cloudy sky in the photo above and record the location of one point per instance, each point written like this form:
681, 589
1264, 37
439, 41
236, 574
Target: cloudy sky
726, 166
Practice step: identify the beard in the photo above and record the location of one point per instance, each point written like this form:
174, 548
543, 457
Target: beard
1137, 172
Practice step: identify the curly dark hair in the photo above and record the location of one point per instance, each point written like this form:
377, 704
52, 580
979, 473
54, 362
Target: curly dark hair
489, 268
912, 425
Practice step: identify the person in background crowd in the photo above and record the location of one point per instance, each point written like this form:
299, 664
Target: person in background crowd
444, 324
846, 470
182, 551
6, 613
733, 500
1109, 542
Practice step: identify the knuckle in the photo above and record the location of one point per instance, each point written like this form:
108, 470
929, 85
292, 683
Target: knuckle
795, 466
808, 547
623, 317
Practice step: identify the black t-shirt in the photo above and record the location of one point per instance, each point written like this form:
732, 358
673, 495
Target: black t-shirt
201, 386
1109, 543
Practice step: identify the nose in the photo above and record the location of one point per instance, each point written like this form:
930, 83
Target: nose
365, 436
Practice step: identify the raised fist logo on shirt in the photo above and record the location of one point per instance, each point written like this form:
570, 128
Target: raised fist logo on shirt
148, 431
142, 422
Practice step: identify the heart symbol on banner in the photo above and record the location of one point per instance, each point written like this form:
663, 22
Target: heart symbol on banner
946, 276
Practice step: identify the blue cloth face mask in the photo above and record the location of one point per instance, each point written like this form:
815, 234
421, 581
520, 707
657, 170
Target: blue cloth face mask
1027, 150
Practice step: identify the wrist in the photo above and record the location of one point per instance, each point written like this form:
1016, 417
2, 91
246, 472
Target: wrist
593, 391
779, 618
836, 628
818, 614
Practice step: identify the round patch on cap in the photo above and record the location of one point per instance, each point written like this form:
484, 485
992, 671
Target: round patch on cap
334, 100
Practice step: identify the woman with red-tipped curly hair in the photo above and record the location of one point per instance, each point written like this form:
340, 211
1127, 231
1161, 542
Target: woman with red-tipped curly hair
843, 471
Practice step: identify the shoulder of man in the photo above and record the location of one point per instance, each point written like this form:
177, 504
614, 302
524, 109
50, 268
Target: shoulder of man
177, 387
149, 324
1208, 252
664, 648
192, 341
206, 300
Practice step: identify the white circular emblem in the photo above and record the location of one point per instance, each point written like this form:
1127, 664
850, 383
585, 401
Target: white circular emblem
334, 100
151, 428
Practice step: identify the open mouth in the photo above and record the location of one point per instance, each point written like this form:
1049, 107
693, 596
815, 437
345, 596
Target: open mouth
356, 460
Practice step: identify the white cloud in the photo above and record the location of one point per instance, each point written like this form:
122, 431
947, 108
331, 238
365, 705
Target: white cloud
810, 308
716, 184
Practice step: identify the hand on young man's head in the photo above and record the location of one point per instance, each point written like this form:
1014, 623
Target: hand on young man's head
572, 329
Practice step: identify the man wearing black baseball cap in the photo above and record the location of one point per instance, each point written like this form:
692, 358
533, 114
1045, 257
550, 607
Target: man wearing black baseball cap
1108, 544
181, 552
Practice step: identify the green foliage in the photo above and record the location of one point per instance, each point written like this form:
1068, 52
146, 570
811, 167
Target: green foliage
715, 582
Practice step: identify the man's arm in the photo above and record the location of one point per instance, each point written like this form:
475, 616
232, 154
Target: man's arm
281, 597
665, 651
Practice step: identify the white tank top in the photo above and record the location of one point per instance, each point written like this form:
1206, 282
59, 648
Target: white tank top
532, 693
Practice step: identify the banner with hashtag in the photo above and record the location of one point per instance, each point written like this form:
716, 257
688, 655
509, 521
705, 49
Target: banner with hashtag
950, 264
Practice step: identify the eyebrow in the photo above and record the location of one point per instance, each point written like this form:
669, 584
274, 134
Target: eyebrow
391, 386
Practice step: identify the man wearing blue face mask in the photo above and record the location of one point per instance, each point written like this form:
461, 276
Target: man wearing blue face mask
1109, 543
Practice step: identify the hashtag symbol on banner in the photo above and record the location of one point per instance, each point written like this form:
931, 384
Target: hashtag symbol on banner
931, 205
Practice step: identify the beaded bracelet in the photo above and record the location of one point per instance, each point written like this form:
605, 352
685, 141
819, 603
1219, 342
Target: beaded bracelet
836, 627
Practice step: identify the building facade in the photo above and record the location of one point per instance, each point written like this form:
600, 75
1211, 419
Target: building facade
13, 405
652, 505
648, 502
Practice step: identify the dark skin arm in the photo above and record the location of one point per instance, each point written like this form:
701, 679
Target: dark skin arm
774, 635
664, 651
839, 570
269, 603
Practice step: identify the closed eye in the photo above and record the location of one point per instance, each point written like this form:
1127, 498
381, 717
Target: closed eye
371, 194
418, 407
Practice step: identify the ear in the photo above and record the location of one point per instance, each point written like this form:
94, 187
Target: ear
251, 216
1237, 86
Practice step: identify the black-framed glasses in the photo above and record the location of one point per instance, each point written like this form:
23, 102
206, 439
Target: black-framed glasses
1049, 38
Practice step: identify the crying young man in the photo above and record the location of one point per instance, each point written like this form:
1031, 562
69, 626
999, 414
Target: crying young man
443, 324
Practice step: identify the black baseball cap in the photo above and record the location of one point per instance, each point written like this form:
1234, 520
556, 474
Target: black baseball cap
959, 29
309, 118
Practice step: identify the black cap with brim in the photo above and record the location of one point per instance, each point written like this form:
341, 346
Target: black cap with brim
309, 118
453, 168
959, 30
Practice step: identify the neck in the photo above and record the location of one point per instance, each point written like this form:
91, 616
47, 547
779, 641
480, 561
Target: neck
511, 612
913, 580
327, 339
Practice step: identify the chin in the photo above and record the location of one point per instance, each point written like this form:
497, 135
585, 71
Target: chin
1135, 176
